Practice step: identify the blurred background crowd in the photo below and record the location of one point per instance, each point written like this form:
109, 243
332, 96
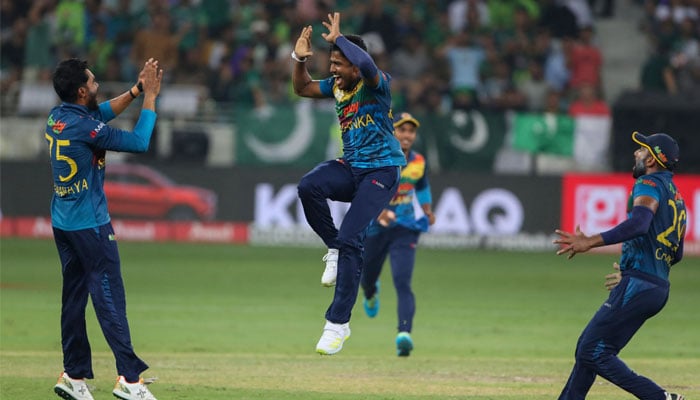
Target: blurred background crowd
459, 54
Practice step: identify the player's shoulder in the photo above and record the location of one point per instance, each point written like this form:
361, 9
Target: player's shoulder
415, 156
650, 181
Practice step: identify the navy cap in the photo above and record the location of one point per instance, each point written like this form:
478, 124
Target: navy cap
404, 117
662, 147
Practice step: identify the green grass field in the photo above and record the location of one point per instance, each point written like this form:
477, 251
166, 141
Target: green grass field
236, 322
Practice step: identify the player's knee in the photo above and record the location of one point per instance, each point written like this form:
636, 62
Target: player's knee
586, 356
306, 188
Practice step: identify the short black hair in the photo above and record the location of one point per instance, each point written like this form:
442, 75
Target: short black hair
69, 76
355, 39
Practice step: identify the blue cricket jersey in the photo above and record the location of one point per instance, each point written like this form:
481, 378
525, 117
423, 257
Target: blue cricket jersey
366, 124
78, 139
413, 182
655, 252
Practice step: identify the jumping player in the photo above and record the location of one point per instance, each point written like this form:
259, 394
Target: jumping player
395, 233
78, 137
366, 176
652, 241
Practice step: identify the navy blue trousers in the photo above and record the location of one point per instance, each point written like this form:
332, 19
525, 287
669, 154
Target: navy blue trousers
91, 266
399, 244
636, 298
368, 190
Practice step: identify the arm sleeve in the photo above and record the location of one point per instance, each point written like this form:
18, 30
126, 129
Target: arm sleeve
637, 224
423, 195
357, 56
134, 142
104, 112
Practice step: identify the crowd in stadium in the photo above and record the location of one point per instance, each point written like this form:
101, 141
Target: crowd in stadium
498, 54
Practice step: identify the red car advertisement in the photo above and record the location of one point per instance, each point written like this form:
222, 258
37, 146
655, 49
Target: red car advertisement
598, 202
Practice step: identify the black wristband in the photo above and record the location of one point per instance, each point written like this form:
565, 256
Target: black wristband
132, 94
139, 86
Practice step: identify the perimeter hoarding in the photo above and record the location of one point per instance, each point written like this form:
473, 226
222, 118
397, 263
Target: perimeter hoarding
598, 202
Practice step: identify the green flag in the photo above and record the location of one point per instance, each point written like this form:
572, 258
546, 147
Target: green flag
544, 133
288, 136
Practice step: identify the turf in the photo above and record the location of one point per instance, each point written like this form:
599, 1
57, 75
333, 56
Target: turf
238, 322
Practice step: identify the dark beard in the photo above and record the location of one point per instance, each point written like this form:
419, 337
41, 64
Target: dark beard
639, 169
92, 102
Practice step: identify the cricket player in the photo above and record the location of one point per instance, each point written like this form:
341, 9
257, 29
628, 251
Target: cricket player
78, 137
366, 176
395, 233
652, 242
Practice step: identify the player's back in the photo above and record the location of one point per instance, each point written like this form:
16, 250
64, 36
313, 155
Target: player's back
78, 169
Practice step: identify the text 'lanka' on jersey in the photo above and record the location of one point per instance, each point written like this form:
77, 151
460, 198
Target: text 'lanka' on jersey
366, 124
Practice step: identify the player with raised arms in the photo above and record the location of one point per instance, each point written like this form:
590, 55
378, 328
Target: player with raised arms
366, 176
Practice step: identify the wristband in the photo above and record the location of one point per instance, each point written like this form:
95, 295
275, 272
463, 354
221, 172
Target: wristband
297, 59
133, 96
139, 86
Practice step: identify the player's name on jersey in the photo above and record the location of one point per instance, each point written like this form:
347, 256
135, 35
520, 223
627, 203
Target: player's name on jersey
76, 187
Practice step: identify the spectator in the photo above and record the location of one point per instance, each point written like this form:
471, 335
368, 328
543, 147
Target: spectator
585, 61
657, 73
122, 23
218, 15
186, 14
409, 63
458, 13
71, 25
100, 49
157, 42
381, 22
38, 54
12, 60
588, 102
558, 19
580, 9
676, 11
685, 59
464, 56
592, 131
534, 87
497, 91
556, 67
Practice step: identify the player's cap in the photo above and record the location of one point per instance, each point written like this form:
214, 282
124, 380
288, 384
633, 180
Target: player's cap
404, 117
662, 147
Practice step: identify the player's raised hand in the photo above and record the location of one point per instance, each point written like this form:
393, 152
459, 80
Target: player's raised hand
302, 48
573, 243
152, 76
612, 280
333, 26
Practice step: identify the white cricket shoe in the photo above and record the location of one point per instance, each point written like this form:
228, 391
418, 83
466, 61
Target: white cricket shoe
72, 389
333, 337
132, 391
674, 396
331, 271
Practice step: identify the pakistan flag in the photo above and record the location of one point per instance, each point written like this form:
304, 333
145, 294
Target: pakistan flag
297, 135
544, 133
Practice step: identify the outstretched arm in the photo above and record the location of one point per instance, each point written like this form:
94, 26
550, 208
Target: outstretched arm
304, 85
637, 224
